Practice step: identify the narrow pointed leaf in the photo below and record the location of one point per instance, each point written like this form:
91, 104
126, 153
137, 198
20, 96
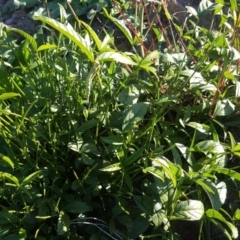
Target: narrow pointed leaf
70, 33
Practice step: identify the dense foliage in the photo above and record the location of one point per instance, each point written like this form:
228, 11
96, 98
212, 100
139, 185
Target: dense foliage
102, 144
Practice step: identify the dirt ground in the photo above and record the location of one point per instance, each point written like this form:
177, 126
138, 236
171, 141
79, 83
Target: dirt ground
17, 17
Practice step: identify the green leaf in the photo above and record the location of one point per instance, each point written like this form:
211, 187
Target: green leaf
97, 41
212, 193
121, 25
140, 226
129, 95
8, 176
114, 140
209, 148
63, 223
115, 56
190, 210
31, 177
236, 215
125, 220
77, 207
229, 172
6, 217
87, 125
86, 159
112, 168
135, 114
6, 160
134, 156
155, 171
31, 40
164, 163
158, 218
165, 99
223, 108
75, 146
46, 47
144, 203
90, 148
9, 95
211, 213
70, 33
234, 5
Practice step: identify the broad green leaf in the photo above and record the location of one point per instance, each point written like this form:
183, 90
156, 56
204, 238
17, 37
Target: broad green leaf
115, 56
75, 146
223, 108
198, 82
144, 203
6, 217
190, 210
234, 5
129, 95
158, 218
163, 163
155, 171
229, 172
236, 215
7, 176
125, 220
86, 159
134, 115
46, 47
87, 125
140, 225
6, 160
212, 193
221, 41
77, 207
31, 177
114, 140
70, 33
211, 213
90, 148
134, 156
209, 148
63, 223
6, 96
199, 127
112, 168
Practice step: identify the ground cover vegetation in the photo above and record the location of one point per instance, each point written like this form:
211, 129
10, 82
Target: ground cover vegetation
98, 143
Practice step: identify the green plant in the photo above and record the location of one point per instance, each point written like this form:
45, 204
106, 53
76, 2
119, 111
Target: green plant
110, 145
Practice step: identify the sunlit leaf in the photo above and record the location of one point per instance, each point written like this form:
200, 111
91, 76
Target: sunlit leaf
9, 95
6, 160
211, 213
223, 108
31, 177
112, 168
70, 33
189, 210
